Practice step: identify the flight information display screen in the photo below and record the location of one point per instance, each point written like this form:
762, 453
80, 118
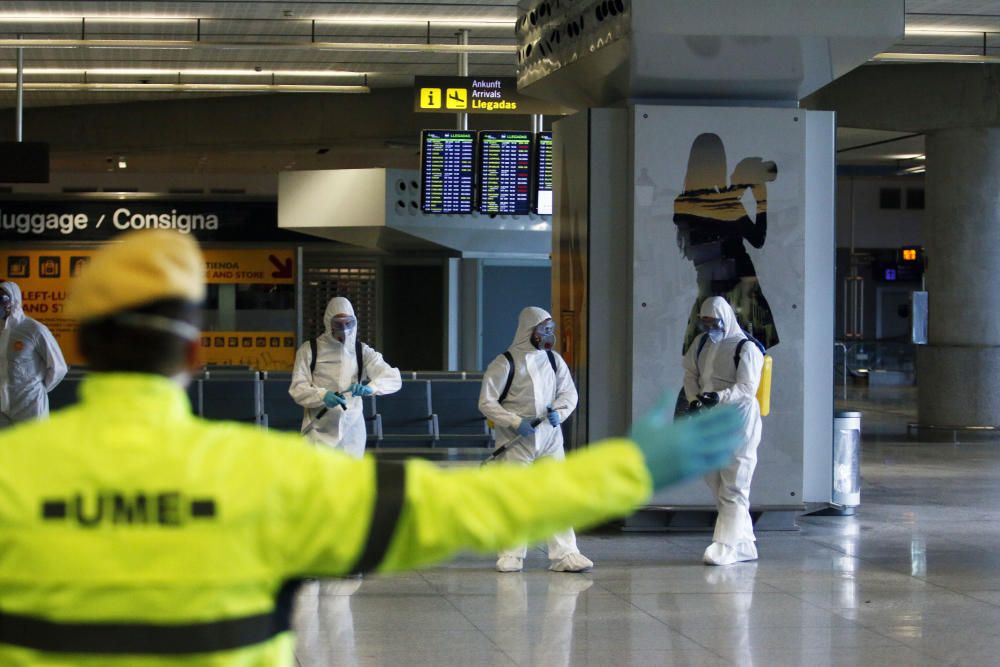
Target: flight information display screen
543, 171
447, 171
505, 172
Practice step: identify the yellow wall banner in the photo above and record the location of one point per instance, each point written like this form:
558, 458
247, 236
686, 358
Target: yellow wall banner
262, 350
44, 277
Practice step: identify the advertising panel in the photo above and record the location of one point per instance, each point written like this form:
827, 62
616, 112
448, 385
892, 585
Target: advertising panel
719, 206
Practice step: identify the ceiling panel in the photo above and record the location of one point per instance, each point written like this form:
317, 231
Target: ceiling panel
931, 26
251, 23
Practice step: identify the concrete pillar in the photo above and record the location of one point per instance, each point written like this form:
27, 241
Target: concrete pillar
960, 366
689, 107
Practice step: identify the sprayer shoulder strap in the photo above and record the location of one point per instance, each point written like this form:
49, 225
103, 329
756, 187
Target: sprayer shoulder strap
510, 376
358, 355
739, 347
510, 371
701, 346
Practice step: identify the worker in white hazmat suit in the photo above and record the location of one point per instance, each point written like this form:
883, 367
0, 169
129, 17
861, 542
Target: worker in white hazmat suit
333, 373
722, 367
31, 363
526, 402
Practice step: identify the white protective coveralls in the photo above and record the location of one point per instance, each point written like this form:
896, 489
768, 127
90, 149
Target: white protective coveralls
336, 370
31, 363
534, 389
715, 370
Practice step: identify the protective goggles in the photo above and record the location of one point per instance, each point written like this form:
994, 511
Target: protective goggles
707, 324
343, 323
547, 328
543, 336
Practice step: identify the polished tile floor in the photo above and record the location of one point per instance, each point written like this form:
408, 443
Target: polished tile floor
913, 579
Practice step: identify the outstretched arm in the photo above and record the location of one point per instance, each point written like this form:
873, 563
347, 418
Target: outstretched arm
345, 515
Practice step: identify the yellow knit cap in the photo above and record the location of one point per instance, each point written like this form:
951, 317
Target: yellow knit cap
143, 267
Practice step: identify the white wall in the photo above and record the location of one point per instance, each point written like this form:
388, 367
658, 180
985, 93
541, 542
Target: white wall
875, 227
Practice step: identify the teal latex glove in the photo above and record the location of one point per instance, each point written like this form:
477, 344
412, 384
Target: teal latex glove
358, 389
688, 447
332, 399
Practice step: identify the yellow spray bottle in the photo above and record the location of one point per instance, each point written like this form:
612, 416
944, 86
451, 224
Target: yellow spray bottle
764, 388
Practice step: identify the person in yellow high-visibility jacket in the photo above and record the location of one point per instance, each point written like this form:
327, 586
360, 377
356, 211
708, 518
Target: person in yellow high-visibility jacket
133, 533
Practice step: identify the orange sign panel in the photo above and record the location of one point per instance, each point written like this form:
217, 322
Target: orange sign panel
263, 350
44, 277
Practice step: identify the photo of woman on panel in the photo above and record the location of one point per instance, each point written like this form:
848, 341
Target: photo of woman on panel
712, 223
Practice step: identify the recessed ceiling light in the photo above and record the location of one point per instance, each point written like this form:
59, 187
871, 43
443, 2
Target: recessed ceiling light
421, 21
949, 31
290, 45
188, 87
935, 57
161, 71
111, 18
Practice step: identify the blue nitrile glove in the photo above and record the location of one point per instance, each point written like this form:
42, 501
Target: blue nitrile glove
525, 429
688, 447
332, 399
553, 418
358, 389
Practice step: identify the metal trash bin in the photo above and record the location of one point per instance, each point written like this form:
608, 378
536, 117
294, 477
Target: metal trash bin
847, 460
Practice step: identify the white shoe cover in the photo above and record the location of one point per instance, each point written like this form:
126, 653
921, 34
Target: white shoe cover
725, 554
510, 564
572, 563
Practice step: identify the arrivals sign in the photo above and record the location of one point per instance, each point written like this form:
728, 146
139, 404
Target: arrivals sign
44, 277
99, 219
477, 94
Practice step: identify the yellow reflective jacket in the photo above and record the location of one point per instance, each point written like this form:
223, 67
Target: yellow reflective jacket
133, 533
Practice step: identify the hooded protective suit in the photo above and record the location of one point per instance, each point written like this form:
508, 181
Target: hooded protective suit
31, 363
336, 370
715, 370
534, 389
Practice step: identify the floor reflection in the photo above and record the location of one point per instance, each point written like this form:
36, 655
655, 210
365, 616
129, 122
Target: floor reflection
735, 607
324, 624
913, 579
515, 618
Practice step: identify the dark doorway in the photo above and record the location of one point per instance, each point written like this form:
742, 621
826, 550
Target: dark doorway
413, 316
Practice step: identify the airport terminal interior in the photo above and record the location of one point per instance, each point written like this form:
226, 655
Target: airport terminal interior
827, 171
